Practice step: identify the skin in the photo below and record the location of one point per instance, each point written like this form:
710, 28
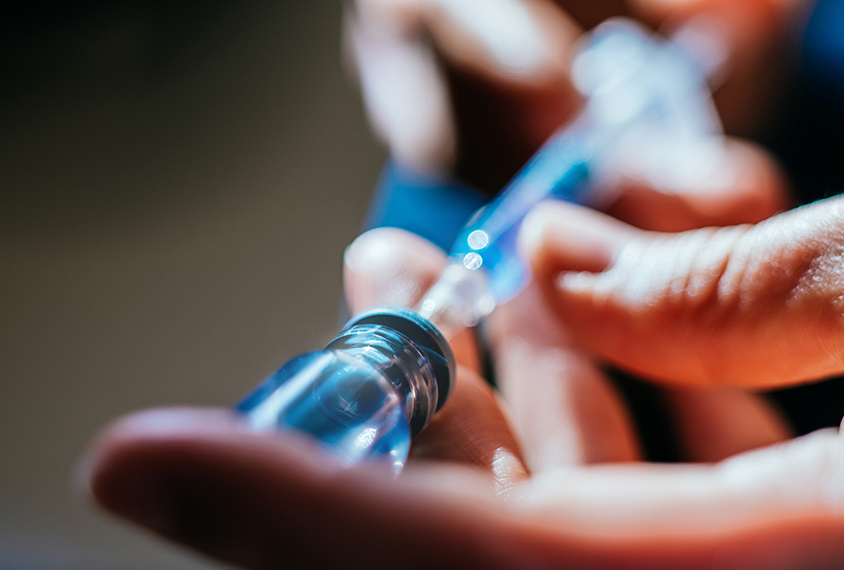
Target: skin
530, 481
756, 306
546, 472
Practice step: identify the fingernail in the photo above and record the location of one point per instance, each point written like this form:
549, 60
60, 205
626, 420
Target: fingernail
508, 471
377, 272
359, 260
507, 30
573, 238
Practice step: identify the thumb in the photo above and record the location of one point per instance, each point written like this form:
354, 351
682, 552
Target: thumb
753, 305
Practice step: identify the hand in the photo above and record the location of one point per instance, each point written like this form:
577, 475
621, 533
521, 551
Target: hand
473, 88
538, 479
755, 305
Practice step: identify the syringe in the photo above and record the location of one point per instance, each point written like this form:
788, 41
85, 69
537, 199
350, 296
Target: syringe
647, 108
382, 379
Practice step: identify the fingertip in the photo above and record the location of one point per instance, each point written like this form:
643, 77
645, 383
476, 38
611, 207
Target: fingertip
388, 266
740, 183
118, 471
748, 188
762, 184
558, 236
203, 478
473, 429
532, 234
368, 249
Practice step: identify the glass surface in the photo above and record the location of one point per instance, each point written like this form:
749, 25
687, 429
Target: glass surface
343, 402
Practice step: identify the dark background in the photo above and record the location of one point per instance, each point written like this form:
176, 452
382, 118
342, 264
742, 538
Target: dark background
177, 183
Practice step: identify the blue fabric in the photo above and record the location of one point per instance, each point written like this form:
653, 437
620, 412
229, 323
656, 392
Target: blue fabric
822, 54
432, 207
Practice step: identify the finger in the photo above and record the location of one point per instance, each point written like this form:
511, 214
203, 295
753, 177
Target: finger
472, 429
714, 424
746, 305
504, 113
746, 39
508, 41
779, 507
800, 478
565, 410
745, 28
265, 501
389, 266
378, 269
470, 89
201, 478
741, 185
404, 90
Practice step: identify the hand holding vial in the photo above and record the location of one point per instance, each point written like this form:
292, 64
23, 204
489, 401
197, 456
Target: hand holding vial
546, 474
549, 471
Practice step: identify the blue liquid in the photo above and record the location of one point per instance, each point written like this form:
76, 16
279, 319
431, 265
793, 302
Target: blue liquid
344, 403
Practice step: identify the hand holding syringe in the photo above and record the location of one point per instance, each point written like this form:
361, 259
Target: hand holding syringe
380, 382
647, 110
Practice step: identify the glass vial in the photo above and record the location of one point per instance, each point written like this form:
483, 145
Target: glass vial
364, 396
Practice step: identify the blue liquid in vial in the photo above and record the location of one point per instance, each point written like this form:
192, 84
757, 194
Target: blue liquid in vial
344, 403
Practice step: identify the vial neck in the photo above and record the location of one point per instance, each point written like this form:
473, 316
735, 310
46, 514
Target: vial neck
402, 362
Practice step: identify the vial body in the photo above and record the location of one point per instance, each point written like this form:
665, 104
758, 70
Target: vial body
362, 398
344, 403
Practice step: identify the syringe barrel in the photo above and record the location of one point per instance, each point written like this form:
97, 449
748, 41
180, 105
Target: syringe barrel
558, 170
647, 114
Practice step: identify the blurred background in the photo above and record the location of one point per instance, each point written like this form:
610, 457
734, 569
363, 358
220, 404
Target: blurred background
178, 181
